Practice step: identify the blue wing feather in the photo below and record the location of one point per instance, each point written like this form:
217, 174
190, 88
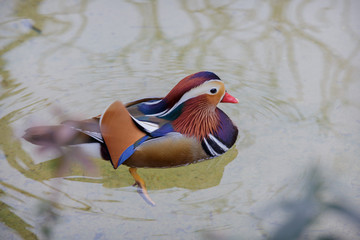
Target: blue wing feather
165, 129
131, 149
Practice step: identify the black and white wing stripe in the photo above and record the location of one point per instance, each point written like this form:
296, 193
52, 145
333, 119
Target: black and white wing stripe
96, 135
213, 146
146, 126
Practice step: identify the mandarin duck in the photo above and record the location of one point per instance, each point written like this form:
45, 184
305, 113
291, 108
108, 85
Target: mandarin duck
184, 127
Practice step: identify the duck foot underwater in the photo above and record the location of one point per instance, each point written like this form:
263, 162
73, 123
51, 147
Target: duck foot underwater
141, 186
184, 127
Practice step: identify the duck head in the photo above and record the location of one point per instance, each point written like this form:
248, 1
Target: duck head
197, 84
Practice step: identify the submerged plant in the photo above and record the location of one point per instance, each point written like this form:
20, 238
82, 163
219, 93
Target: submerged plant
305, 211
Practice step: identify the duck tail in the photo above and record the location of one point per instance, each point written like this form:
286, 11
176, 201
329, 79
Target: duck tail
67, 133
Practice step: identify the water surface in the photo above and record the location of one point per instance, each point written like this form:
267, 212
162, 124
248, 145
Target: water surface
293, 65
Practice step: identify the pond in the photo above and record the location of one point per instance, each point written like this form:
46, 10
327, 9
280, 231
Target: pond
294, 171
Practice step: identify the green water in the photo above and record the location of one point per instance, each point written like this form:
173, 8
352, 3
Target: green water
293, 65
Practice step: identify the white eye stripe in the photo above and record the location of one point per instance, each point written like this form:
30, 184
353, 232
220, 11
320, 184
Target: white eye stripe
199, 90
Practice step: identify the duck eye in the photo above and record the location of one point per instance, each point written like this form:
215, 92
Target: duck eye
213, 90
